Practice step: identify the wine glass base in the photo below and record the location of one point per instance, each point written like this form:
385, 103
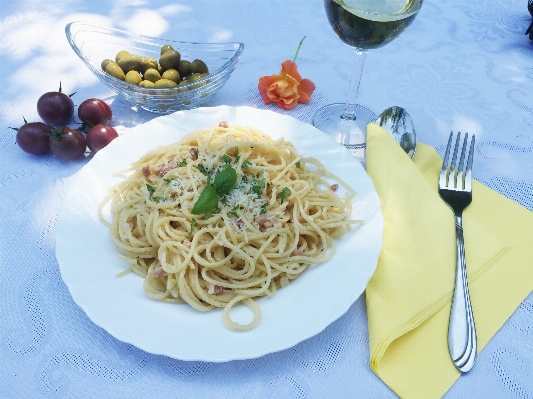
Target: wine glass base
351, 133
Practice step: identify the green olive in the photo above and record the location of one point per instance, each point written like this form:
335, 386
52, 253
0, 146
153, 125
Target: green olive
148, 63
152, 75
184, 68
165, 83
114, 70
146, 83
133, 77
170, 59
105, 62
198, 66
193, 78
165, 48
171, 74
121, 54
130, 62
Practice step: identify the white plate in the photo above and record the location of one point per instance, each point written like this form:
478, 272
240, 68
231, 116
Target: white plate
88, 262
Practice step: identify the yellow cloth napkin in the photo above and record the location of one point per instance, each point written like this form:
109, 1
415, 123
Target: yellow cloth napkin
409, 296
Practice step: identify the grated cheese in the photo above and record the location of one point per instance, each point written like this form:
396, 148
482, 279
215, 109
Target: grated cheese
185, 189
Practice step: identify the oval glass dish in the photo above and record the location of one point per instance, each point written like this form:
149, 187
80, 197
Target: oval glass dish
94, 43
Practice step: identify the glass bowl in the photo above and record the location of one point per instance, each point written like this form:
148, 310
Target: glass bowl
94, 43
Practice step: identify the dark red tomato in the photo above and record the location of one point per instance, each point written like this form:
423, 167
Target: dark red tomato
99, 136
95, 112
68, 143
55, 108
33, 138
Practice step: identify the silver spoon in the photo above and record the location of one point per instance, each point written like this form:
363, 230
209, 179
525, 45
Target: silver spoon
399, 124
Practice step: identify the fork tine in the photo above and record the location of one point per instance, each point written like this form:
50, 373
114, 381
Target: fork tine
471, 154
468, 173
445, 159
456, 148
463, 153
460, 171
453, 174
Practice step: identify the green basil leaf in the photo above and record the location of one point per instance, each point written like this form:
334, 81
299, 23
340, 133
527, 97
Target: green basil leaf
202, 169
151, 190
207, 201
225, 180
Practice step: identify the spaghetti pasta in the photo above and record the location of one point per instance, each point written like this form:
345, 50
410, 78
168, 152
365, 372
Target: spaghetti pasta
224, 216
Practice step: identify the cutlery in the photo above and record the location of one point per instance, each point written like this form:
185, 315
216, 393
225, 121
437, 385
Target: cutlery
399, 124
455, 188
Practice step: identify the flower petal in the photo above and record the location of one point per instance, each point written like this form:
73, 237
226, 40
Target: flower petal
306, 89
265, 84
291, 69
287, 103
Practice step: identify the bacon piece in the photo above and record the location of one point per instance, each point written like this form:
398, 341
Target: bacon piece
334, 187
164, 170
215, 290
158, 272
266, 221
261, 219
223, 124
146, 171
194, 153
239, 223
187, 243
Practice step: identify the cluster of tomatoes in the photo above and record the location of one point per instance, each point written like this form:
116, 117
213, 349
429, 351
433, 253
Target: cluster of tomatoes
56, 109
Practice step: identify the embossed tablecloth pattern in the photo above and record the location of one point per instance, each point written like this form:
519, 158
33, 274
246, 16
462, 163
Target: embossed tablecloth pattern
463, 65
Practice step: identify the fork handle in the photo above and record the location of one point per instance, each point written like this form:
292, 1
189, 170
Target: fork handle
462, 337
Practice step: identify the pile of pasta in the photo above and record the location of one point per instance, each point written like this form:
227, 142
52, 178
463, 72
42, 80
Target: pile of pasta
282, 215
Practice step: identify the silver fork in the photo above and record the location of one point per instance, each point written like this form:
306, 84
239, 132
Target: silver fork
455, 188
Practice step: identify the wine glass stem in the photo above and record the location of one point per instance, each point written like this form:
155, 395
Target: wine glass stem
349, 110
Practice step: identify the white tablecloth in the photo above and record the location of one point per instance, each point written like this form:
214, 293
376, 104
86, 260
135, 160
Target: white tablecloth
462, 65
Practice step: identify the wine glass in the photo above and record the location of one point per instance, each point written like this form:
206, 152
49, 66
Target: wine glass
363, 25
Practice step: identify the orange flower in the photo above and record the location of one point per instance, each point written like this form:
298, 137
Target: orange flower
286, 88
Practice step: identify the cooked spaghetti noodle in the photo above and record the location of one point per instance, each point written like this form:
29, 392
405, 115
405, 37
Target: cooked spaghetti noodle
199, 236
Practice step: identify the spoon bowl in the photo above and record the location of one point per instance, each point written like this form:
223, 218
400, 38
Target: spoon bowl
399, 124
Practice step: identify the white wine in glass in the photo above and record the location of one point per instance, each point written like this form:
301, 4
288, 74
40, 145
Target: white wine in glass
363, 25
